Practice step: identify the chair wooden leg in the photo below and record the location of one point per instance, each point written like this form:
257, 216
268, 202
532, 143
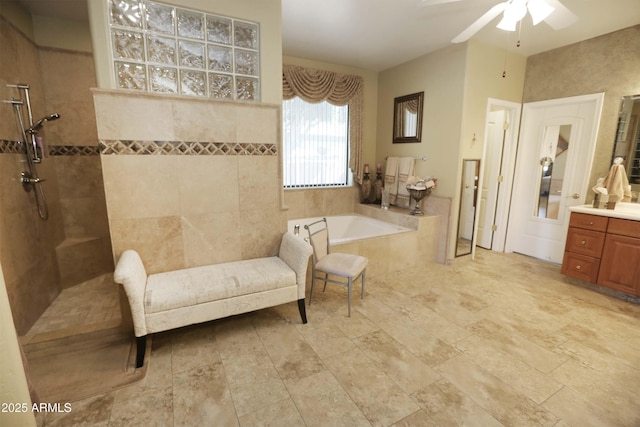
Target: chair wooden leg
326, 276
362, 291
141, 347
303, 311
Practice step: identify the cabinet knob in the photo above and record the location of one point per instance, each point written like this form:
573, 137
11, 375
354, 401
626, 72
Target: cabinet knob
578, 267
590, 222
583, 242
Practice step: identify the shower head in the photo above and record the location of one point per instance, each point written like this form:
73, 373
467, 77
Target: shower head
37, 125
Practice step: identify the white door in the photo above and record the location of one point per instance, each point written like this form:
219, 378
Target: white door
555, 154
496, 172
492, 162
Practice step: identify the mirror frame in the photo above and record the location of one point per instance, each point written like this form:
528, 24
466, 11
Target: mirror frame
475, 202
398, 136
627, 138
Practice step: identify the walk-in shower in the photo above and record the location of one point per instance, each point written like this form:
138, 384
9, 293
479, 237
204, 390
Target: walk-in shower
32, 145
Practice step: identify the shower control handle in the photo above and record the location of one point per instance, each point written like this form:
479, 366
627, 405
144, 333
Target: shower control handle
26, 178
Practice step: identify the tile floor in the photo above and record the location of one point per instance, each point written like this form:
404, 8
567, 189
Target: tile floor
502, 341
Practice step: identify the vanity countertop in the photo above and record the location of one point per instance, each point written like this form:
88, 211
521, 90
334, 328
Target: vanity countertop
623, 210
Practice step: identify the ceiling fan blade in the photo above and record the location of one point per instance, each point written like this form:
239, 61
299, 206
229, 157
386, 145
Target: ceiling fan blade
481, 22
434, 2
561, 17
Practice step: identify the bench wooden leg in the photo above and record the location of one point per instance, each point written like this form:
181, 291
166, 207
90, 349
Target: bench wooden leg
141, 347
303, 311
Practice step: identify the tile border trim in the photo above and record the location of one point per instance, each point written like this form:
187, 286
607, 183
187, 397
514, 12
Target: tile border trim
120, 147
186, 148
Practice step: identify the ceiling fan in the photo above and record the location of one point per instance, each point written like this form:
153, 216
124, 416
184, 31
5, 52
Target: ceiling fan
552, 12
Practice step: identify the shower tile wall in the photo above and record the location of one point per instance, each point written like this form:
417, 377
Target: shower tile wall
185, 209
30, 248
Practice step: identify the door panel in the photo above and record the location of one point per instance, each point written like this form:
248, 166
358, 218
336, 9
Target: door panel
490, 183
564, 131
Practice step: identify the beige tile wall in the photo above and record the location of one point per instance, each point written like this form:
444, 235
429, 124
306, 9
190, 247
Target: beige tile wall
182, 211
27, 244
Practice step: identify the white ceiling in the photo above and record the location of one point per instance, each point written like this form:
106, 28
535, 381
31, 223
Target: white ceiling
379, 34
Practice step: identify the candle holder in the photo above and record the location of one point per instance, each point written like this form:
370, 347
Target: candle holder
366, 188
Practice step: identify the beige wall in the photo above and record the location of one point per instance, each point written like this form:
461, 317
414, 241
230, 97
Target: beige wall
457, 82
441, 76
483, 80
268, 13
609, 64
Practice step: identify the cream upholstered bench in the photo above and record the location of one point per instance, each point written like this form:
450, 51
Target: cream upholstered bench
173, 299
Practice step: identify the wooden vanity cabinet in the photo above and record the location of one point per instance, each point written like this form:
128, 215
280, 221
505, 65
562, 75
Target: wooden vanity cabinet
620, 265
585, 240
603, 250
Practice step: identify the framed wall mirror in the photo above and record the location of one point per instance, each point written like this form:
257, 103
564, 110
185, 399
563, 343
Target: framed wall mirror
407, 118
468, 201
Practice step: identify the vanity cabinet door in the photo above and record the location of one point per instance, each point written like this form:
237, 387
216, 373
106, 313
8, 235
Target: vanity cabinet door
620, 265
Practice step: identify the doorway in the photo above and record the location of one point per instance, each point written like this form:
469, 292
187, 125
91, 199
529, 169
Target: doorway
496, 175
555, 154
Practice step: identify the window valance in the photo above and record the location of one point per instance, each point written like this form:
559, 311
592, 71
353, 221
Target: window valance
314, 85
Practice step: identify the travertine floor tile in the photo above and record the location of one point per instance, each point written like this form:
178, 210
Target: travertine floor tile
504, 340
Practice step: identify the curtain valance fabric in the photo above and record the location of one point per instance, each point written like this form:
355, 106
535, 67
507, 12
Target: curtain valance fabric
314, 86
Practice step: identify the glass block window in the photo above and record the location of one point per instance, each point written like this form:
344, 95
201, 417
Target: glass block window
161, 48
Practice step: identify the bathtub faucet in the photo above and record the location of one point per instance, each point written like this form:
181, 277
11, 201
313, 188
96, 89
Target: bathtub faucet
296, 229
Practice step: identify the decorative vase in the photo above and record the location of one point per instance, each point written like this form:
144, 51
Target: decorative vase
378, 188
366, 188
418, 195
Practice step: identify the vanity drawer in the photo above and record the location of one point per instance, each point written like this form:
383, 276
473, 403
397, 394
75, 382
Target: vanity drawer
585, 242
588, 222
580, 266
624, 227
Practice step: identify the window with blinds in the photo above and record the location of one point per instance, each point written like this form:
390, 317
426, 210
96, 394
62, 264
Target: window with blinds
315, 144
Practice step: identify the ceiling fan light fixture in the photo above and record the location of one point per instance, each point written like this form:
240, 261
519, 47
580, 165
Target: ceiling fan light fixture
507, 24
515, 11
539, 10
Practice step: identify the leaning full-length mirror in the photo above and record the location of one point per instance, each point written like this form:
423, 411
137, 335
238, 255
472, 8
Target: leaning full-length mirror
407, 118
468, 199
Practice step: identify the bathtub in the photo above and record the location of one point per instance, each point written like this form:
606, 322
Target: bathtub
350, 227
